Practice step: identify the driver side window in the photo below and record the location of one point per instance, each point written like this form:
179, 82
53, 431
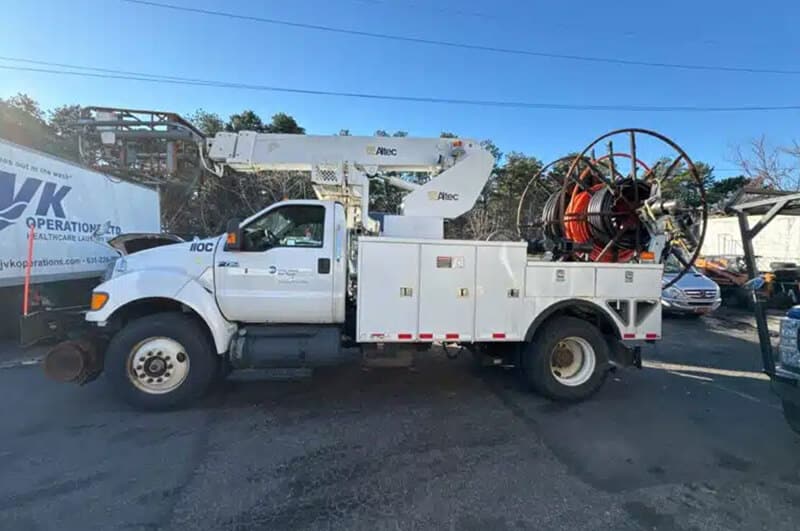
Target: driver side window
286, 226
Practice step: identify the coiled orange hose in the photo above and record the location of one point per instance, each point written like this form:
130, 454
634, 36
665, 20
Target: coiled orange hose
576, 216
578, 230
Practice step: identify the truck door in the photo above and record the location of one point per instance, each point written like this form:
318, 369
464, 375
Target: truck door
283, 273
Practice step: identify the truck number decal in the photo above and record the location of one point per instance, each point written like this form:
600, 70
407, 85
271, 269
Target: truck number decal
202, 247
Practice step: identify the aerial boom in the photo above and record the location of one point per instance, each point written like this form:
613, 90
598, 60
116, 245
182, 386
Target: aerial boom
342, 166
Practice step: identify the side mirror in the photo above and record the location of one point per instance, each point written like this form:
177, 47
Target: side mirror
233, 237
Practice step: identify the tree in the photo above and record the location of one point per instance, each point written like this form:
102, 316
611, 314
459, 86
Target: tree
447, 134
720, 190
246, 120
22, 121
283, 123
793, 152
490, 146
396, 134
209, 123
26, 104
766, 165
63, 120
344, 132
506, 187
681, 184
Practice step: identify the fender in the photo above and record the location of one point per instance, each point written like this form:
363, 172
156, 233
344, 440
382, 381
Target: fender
165, 284
571, 303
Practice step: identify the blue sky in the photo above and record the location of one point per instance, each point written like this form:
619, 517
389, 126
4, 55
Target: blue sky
113, 34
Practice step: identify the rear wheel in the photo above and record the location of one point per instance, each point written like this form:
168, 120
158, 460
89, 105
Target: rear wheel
160, 361
567, 359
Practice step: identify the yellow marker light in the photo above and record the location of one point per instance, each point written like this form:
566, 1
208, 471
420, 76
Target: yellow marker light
231, 239
99, 299
647, 256
458, 143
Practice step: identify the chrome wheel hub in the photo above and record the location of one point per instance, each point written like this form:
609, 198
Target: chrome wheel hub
158, 365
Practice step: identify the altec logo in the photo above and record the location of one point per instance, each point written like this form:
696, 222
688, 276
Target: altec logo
13, 205
433, 195
379, 150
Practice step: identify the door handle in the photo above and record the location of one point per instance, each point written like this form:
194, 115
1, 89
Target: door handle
324, 266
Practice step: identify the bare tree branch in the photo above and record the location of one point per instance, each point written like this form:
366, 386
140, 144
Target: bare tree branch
766, 166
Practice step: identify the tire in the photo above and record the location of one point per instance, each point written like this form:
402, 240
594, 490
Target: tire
554, 339
179, 362
791, 413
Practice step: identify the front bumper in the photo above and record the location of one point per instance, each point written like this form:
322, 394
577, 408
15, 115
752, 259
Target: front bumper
690, 305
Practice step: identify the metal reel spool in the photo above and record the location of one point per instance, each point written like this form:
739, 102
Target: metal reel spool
540, 201
608, 208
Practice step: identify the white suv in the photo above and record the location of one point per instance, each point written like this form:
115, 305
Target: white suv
693, 294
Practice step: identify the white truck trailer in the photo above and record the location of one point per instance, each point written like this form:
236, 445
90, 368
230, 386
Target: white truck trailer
53, 208
298, 281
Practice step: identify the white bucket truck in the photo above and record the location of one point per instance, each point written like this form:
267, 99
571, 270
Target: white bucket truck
295, 283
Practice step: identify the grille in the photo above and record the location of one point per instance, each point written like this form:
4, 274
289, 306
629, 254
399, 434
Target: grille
701, 293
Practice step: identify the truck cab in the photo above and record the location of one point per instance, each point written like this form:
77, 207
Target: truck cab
289, 266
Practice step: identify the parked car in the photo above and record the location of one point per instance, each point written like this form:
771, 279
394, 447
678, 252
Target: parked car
694, 293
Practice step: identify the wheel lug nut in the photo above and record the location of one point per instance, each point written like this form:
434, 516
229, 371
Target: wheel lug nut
169, 366
149, 380
166, 375
181, 357
159, 380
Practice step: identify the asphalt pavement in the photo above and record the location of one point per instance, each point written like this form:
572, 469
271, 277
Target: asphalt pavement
695, 440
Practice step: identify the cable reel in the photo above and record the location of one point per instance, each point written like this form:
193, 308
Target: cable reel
616, 207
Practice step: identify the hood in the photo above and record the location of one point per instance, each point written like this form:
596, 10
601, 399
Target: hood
139, 241
691, 280
188, 258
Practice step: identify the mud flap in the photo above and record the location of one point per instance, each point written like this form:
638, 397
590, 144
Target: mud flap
622, 355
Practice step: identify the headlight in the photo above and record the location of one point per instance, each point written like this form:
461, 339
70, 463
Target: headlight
109, 272
673, 293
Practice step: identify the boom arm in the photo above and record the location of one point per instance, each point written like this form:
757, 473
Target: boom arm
341, 167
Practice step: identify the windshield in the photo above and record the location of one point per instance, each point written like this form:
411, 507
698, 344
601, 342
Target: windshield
672, 266
288, 226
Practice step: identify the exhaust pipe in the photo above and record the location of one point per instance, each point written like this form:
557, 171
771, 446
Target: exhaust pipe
76, 361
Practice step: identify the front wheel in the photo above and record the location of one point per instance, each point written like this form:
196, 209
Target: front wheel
160, 361
567, 359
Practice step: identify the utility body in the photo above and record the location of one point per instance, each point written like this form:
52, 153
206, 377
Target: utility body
309, 283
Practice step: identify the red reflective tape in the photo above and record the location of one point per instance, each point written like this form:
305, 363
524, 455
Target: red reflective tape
499, 335
426, 336
451, 336
404, 336
628, 336
651, 336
